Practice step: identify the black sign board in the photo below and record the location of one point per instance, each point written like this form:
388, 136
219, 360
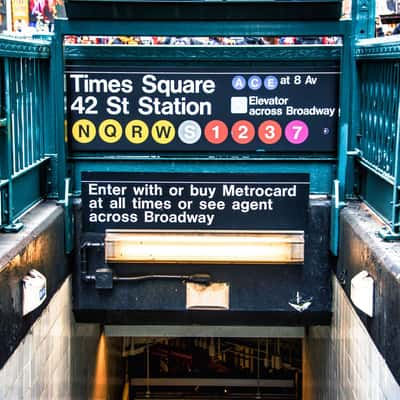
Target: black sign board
194, 201
269, 109
156, 10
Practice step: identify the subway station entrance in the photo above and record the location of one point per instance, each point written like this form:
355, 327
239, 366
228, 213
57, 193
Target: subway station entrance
212, 368
200, 365
199, 184
182, 184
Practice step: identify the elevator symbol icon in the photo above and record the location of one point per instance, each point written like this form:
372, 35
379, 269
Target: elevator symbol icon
239, 105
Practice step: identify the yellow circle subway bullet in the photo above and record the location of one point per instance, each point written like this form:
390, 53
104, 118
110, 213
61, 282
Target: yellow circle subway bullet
137, 131
110, 131
163, 132
84, 131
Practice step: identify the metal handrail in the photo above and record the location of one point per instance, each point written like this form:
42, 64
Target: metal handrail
378, 62
24, 102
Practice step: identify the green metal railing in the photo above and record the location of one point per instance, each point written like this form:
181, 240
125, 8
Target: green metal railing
24, 123
379, 133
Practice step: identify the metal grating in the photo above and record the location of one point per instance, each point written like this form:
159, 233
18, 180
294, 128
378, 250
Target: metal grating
24, 122
379, 112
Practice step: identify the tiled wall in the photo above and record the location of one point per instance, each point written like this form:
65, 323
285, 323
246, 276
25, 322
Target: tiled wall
341, 362
59, 359
56, 359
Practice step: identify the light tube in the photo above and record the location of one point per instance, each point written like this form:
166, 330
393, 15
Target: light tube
194, 247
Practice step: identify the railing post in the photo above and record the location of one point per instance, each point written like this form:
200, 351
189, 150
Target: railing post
57, 153
339, 188
12, 225
48, 122
62, 180
363, 12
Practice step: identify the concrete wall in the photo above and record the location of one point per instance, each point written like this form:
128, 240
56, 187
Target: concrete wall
46, 354
342, 362
60, 359
39, 245
362, 249
357, 357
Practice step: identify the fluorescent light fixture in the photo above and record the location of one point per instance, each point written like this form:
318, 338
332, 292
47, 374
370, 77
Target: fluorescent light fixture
214, 247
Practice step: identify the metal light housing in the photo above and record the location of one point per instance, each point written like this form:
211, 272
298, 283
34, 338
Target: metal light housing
199, 247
